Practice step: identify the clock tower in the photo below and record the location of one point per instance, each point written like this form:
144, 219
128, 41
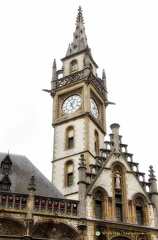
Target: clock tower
79, 103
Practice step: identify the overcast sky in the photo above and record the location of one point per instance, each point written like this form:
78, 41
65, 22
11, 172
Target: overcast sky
123, 37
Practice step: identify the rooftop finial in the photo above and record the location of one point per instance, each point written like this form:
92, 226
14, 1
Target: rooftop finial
79, 16
151, 172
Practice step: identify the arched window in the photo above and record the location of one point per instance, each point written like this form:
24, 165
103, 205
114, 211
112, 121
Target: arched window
140, 209
69, 173
69, 137
96, 142
73, 65
99, 196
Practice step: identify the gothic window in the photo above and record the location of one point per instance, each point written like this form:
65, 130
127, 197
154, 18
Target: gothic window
69, 137
73, 65
96, 142
99, 203
69, 173
140, 209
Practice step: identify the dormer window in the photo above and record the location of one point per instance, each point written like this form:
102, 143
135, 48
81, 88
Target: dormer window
6, 165
73, 65
5, 183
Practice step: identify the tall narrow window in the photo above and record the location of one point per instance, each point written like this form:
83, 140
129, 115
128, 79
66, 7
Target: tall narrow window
70, 137
69, 173
139, 215
140, 203
118, 202
69, 179
73, 65
99, 197
98, 209
96, 142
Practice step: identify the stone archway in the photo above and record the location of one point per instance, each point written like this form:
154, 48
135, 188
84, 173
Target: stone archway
11, 227
54, 231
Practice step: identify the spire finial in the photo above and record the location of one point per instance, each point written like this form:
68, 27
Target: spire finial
79, 16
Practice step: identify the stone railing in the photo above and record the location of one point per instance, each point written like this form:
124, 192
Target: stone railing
69, 79
13, 201
80, 75
56, 206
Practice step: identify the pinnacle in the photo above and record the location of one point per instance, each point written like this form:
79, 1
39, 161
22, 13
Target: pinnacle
79, 16
79, 42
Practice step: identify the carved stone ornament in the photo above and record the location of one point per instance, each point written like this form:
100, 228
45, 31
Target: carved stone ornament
8, 227
117, 180
54, 231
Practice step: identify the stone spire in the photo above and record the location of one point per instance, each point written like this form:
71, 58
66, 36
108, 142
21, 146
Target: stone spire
79, 42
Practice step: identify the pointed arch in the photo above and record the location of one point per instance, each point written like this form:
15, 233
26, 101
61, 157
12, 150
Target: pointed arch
99, 203
6, 164
5, 183
140, 208
119, 192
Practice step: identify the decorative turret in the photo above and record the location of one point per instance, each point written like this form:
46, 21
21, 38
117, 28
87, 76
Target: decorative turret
30, 201
54, 75
116, 139
152, 180
79, 42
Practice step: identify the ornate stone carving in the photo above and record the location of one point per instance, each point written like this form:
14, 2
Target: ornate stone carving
8, 227
54, 231
117, 180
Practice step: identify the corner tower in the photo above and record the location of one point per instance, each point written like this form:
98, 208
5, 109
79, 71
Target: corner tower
79, 103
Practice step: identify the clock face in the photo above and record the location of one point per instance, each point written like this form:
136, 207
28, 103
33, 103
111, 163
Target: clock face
94, 108
71, 104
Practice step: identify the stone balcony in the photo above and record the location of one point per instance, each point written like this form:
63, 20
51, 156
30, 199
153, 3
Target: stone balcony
46, 205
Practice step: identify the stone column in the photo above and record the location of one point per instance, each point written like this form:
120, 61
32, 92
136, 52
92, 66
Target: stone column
30, 204
153, 191
116, 139
82, 187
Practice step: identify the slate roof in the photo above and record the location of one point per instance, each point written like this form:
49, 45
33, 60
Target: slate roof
21, 172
